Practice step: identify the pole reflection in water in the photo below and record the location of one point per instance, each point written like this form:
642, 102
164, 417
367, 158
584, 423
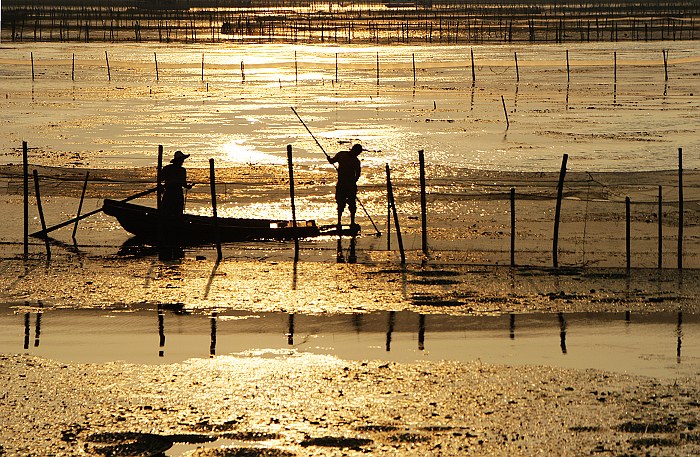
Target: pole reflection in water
390, 329
212, 342
657, 344
512, 327
26, 330
562, 333
37, 330
161, 331
290, 330
679, 333
421, 332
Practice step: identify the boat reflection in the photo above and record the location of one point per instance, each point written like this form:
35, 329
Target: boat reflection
657, 344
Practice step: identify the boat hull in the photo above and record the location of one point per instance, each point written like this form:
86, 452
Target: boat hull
144, 223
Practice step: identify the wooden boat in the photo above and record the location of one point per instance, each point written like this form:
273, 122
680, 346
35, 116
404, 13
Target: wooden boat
143, 222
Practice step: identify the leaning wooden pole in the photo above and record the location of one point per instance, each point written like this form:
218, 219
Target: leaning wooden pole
628, 234
25, 167
557, 213
212, 185
392, 202
680, 208
512, 226
41, 214
291, 197
423, 203
661, 228
80, 205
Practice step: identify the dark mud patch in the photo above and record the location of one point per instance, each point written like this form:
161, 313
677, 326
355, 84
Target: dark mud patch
653, 441
435, 273
339, 442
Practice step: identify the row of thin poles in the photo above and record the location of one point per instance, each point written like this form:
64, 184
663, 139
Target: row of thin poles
391, 206
665, 55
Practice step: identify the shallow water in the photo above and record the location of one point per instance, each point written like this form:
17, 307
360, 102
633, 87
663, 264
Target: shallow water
606, 117
665, 345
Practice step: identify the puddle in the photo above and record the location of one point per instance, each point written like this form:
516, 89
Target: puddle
664, 345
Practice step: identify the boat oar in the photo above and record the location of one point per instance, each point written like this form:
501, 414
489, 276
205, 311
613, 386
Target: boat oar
334, 166
43, 233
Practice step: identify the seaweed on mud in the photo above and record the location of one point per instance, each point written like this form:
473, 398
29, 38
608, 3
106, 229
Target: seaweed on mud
335, 441
585, 428
648, 427
434, 273
122, 444
250, 436
376, 428
241, 452
410, 438
653, 441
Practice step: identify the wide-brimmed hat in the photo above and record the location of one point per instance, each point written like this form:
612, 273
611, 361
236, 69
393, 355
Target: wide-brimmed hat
179, 157
357, 149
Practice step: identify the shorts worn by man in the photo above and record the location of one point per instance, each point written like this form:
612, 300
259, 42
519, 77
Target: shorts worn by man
348, 174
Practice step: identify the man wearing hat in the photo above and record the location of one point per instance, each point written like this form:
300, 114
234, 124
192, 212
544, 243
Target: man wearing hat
172, 205
346, 187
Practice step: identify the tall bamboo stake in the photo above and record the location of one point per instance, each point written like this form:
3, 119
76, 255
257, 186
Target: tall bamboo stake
392, 202
31, 54
25, 167
155, 57
471, 51
512, 226
41, 214
109, 73
517, 70
505, 111
680, 208
80, 205
291, 197
628, 241
423, 203
661, 228
212, 185
72, 71
557, 213
414, 69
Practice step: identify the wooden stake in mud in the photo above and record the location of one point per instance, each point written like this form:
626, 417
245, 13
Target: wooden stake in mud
423, 203
41, 214
336, 68
661, 228
505, 111
473, 72
512, 226
296, 69
568, 68
557, 213
80, 205
628, 241
615, 67
392, 203
377, 69
680, 208
517, 70
291, 196
155, 57
25, 168
202, 67
665, 64
414, 69
72, 71
109, 73
31, 55
242, 72
159, 186
388, 214
212, 185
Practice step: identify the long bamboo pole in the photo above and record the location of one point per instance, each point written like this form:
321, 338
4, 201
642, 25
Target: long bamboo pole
557, 213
